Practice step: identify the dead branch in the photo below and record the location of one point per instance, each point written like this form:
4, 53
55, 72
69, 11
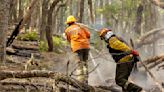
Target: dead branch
150, 37
88, 72
112, 88
159, 61
159, 67
153, 59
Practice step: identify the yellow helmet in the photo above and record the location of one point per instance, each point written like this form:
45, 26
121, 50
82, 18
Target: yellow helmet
70, 19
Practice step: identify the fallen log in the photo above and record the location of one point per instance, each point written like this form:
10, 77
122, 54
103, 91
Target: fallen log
33, 87
49, 74
22, 47
36, 86
58, 77
22, 53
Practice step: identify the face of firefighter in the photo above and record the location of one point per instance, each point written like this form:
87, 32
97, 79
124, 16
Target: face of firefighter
107, 35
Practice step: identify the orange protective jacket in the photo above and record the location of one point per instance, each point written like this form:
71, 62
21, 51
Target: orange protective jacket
78, 37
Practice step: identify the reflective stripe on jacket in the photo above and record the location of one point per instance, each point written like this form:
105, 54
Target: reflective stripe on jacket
119, 50
78, 37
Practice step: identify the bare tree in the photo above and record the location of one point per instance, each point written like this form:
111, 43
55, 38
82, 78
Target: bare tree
4, 14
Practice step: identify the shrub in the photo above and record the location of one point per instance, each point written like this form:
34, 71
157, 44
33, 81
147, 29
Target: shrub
28, 36
43, 46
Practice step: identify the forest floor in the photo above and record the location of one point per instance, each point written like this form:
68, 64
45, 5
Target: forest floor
51, 61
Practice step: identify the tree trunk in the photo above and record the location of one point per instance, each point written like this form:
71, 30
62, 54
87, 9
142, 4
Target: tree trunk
81, 12
44, 19
12, 12
20, 10
4, 14
49, 32
91, 10
137, 27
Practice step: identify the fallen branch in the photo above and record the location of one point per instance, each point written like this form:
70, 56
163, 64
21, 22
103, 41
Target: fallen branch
159, 61
161, 66
112, 88
153, 59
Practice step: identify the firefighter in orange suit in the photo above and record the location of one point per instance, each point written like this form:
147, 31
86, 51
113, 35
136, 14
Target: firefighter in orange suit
79, 36
124, 56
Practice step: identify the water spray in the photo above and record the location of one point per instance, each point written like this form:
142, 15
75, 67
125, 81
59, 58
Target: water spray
97, 70
83, 25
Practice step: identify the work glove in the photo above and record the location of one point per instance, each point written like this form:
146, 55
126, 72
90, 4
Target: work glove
135, 53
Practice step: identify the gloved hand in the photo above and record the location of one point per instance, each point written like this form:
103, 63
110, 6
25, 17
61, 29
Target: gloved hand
135, 53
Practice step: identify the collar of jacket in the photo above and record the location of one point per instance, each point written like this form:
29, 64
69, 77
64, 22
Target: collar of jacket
108, 35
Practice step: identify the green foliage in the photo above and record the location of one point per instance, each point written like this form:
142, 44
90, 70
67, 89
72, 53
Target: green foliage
119, 10
113, 8
59, 42
43, 46
28, 36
